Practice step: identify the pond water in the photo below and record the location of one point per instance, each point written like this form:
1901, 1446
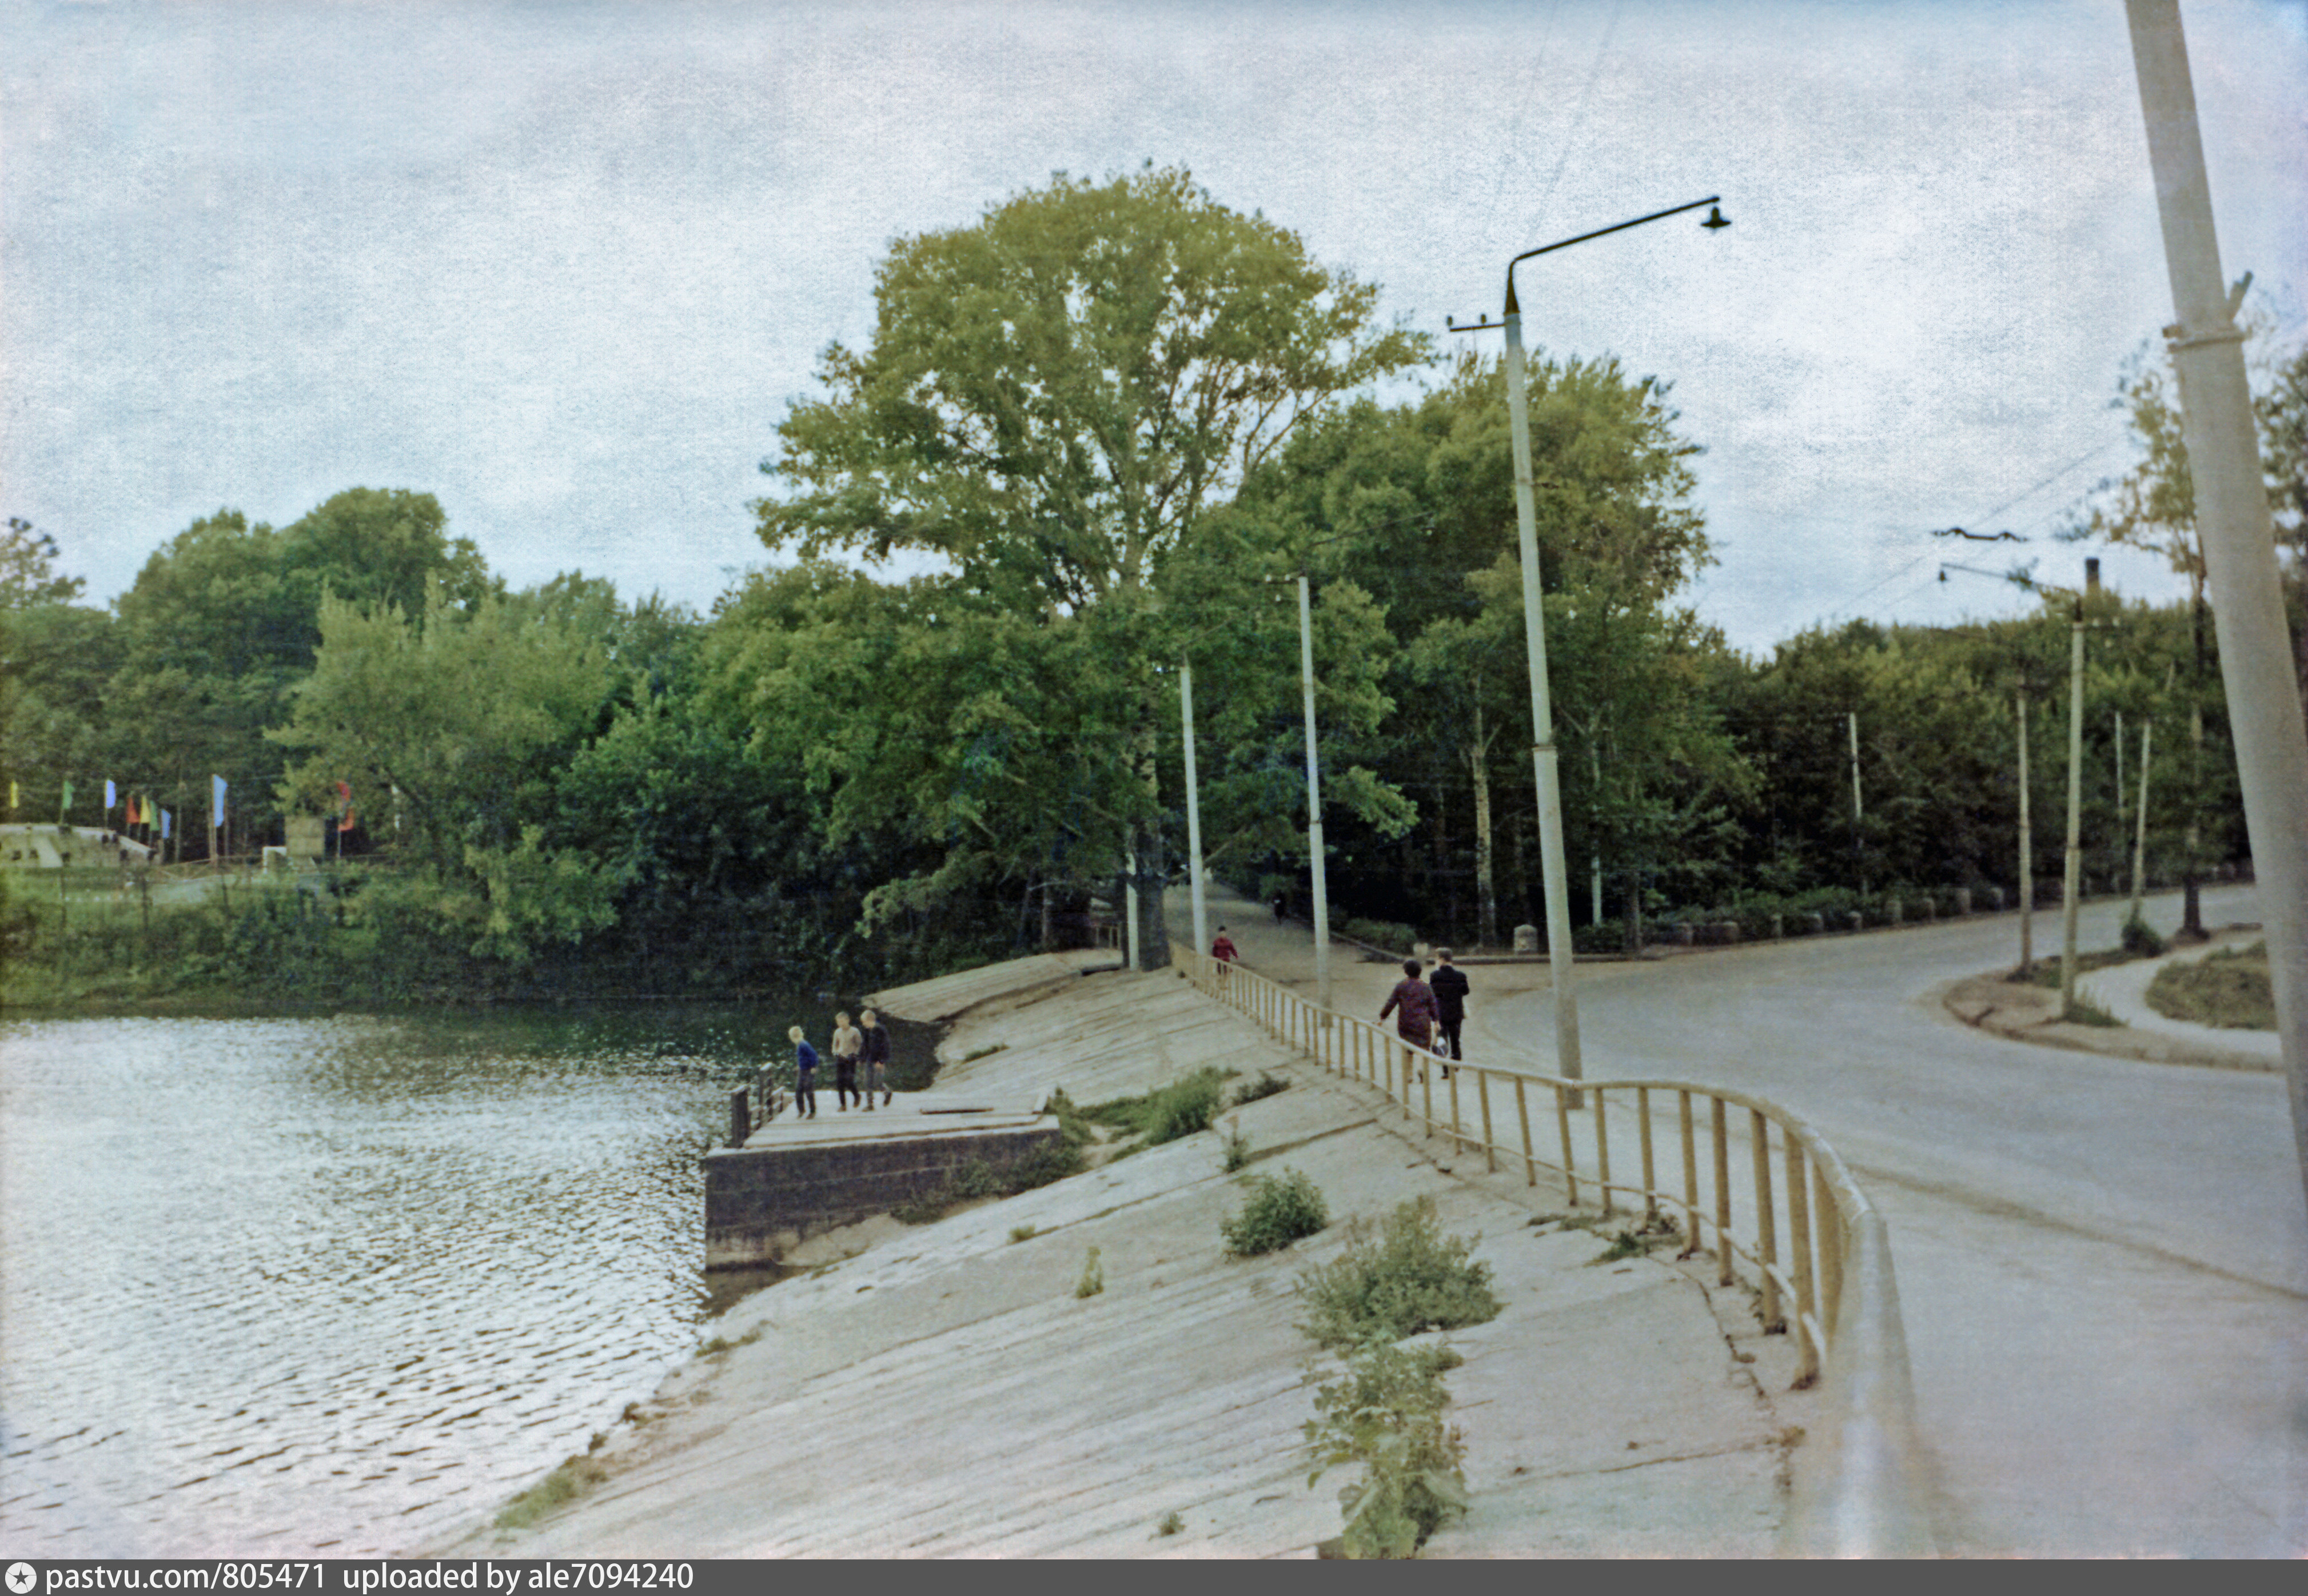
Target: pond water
333, 1285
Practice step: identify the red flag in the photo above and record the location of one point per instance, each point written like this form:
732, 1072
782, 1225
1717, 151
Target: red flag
345, 797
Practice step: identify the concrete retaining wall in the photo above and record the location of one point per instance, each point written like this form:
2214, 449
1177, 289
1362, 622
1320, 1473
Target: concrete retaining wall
762, 1197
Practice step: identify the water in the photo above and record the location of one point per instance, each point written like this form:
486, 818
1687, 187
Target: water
333, 1285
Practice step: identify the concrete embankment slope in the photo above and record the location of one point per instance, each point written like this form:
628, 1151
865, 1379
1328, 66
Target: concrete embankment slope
944, 1392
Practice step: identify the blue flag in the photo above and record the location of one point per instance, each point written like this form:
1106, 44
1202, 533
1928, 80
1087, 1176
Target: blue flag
164, 825
216, 795
110, 797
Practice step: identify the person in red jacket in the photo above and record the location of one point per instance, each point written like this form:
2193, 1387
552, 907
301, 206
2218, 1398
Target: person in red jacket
1222, 949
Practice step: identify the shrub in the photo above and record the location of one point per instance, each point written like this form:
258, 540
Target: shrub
1406, 1278
1279, 1210
1385, 1413
1044, 1164
2140, 940
1093, 1276
1237, 1146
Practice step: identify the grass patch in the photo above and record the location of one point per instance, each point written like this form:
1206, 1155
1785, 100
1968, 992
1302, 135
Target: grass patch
1639, 1241
1279, 1210
1266, 1086
2231, 988
563, 1485
719, 1344
1403, 1277
2046, 971
1023, 1232
1171, 1524
2082, 1011
1093, 1277
985, 1052
1385, 1413
1167, 1113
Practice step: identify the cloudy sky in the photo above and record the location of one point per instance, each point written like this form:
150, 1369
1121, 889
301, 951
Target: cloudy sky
565, 265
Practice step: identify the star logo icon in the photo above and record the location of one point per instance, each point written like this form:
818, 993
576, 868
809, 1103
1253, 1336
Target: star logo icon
21, 1578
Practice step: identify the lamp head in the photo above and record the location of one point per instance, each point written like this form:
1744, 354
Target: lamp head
1715, 218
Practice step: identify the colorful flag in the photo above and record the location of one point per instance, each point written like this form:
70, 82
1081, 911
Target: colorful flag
111, 796
217, 784
164, 825
68, 800
346, 821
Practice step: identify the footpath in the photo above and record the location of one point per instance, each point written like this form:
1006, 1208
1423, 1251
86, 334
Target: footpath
944, 1390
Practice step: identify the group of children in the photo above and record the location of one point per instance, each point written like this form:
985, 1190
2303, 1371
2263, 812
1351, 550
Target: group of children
852, 1045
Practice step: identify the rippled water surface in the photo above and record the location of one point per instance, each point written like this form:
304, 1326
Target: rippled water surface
283, 1285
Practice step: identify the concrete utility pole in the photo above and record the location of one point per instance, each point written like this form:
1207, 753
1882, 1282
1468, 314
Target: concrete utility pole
1194, 808
2232, 519
1552, 881
1851, 718
2139, 840
1314, 803
2027, 849
2072, 880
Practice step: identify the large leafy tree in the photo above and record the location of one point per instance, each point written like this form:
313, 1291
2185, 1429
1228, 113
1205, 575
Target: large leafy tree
55, 655
1056, 398
1414, 502
224, 621
456, 732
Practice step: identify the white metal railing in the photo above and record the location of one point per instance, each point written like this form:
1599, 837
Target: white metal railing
1814, 1245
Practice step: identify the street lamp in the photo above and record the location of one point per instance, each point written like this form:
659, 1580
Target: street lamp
1542, 717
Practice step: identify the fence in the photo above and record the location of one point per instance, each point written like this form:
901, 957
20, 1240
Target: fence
1815, 1248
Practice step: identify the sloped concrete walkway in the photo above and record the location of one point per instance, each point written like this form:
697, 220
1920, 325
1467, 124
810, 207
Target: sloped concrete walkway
944, 1392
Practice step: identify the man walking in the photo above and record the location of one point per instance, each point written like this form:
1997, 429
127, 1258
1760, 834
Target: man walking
1450, 984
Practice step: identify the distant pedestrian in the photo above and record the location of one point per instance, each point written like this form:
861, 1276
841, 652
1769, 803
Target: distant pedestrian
1278, 901
1412, 1004
1222, 948
804, 1074
848, 1042
876, 1058
1449, 985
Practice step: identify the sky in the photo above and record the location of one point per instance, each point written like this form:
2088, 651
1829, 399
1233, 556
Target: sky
565, 265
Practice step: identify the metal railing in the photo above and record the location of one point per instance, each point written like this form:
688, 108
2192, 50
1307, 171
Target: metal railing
1762, 1184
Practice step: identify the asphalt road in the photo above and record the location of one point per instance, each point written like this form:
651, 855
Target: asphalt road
2103, 1263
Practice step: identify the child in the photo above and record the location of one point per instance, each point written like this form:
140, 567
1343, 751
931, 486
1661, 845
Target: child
846, 1046
877, 1059
804, 1074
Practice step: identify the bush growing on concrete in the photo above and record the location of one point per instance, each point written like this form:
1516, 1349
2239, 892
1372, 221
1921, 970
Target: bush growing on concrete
1385, 1413
1406, 1278
1093, 1276
1279, 1210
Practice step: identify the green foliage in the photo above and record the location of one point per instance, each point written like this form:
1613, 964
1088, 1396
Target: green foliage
1023, 1232
1279, 1210
1093, 1276
1170, 1524
2141, 941
1385, 1413
1406, 1278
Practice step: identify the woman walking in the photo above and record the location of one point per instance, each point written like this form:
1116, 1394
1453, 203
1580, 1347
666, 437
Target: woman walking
1412, 1004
